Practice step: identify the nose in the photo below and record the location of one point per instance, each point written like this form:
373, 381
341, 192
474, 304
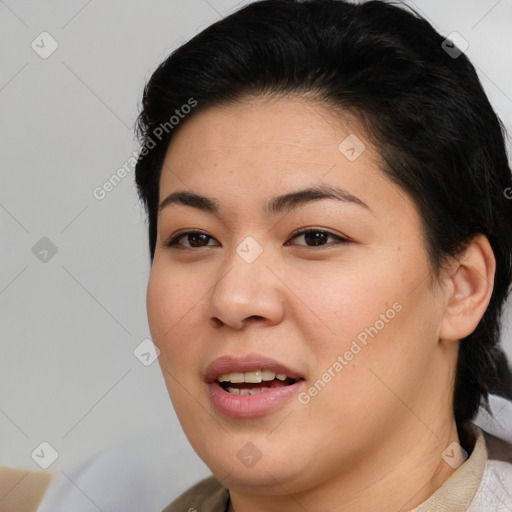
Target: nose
246, 293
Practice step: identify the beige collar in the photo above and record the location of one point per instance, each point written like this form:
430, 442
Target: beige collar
459, 490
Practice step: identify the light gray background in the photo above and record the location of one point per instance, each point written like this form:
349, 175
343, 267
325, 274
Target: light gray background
69, 326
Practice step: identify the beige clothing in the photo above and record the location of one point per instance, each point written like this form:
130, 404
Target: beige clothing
478, 485
22, 490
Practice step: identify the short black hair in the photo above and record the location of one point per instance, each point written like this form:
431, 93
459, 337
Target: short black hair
423, 106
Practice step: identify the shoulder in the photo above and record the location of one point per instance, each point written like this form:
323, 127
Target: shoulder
497, 448
208, 495
495, 489
22, 489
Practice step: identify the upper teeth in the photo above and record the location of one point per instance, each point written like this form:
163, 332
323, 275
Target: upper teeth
252, 377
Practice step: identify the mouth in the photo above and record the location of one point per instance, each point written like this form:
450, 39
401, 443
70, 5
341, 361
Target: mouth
249, 386
254, 382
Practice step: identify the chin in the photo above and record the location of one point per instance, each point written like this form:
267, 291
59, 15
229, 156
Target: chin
247, 469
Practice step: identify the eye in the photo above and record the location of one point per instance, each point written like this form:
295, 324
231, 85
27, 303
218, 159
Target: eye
192, 239
318, 237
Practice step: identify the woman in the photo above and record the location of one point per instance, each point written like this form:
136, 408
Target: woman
331, 236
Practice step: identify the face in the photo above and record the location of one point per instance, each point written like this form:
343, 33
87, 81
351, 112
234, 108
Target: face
285, 254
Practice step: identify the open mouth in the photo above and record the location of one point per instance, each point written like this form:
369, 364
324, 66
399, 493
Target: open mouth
250, 385
254, 382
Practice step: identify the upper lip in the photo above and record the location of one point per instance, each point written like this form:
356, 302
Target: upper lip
247, 363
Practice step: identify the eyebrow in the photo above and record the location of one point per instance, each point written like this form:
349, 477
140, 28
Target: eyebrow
275, 206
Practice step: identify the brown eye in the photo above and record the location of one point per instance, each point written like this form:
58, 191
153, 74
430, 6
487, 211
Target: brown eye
318, 237
192, 239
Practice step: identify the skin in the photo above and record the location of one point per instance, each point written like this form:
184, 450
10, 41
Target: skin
372, 438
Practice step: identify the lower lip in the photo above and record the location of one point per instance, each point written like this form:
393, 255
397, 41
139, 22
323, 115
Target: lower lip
249, 406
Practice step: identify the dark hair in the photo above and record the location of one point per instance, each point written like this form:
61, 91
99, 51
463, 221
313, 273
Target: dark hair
423, 107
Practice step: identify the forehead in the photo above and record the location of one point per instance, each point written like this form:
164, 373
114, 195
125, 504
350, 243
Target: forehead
269, 141
267, 120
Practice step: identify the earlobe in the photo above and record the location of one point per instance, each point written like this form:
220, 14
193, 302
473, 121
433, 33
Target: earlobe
470, 291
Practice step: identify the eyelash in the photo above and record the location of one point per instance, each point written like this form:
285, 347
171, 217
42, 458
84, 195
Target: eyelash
174, 241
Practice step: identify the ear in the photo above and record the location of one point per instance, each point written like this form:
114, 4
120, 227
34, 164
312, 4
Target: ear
470, 285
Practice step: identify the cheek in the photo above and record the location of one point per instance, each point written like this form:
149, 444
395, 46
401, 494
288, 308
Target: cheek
340, 302
172, 305
386, 338
374, 314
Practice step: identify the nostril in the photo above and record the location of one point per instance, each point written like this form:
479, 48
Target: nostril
215, 322
254, 317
